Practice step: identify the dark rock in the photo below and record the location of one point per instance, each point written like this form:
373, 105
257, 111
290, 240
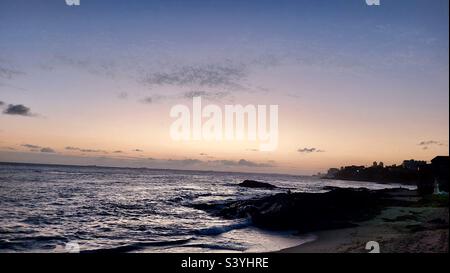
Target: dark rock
307, 212
438, 221
256, 184
401, 218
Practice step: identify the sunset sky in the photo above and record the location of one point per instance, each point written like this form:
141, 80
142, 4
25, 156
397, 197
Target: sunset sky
94, 84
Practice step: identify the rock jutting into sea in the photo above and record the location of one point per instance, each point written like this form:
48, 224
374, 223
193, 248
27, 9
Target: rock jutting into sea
256, 184
305, 212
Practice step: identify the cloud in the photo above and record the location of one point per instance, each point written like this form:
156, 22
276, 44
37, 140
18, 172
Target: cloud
9, 73
147, 100
219, 163
426, 144
226, 74
37, 148
2, 103
31, 146
122, 95
310, 150
430, 142
192, 94
243, 163
209, 95
47, 150
17, 109
138, 150
118, 152
70, 148
188, 161
101, 67
226, 162
153, 99
205, 95
247, 163
205, 155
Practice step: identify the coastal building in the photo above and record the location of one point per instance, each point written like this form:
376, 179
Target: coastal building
332, 173
413, 164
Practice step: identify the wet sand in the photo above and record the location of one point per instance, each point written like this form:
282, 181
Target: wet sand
419, 228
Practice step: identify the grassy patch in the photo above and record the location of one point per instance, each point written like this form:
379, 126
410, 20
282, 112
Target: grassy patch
434, 200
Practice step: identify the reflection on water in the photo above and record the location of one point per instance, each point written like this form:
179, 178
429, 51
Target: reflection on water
42, 208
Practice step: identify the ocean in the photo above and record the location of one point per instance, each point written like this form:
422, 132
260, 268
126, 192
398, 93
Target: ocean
52, 208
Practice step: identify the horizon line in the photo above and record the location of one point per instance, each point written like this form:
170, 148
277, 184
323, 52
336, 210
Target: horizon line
147, 168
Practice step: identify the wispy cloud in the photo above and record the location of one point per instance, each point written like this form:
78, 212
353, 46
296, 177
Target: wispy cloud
37, 148
227, 74
429, 143
106, 68
243, 163
122, 95
47, 150
219, 163
184, 162
70, 148
154, 99
148, 100
205, 155
248, 163
310, 150
31, 146
8, 73
208, 95
205, 95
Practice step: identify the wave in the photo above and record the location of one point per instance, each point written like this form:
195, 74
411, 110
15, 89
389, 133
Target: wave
219, 246
216, 230
138, 246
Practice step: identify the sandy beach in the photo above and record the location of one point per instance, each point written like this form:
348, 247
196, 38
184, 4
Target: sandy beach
421, 227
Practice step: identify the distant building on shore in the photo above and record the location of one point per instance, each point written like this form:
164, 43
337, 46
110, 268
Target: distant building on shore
429, 178
413, 164
331, 173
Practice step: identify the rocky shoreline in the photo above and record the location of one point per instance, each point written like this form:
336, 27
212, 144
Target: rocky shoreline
307, 212
340, 209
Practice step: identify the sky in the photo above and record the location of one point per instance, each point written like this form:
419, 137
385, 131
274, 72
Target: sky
94, 84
